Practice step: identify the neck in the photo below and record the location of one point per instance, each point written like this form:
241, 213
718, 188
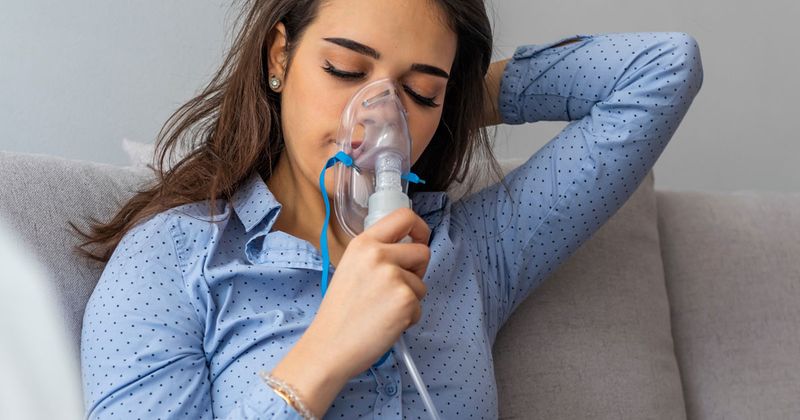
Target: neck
302, 208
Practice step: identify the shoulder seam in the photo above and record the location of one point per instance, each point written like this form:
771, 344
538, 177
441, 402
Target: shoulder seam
181, 265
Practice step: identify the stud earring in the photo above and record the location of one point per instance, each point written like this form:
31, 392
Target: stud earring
274, 82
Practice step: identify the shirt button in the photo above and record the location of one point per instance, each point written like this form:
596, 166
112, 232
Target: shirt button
390, 389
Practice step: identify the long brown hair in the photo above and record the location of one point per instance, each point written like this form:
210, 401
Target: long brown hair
224, 128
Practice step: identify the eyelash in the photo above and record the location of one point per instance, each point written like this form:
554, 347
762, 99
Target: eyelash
422, 100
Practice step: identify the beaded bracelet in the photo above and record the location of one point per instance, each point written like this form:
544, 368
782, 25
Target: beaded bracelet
286, 391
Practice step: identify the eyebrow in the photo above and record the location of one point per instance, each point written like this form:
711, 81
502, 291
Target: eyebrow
371, 52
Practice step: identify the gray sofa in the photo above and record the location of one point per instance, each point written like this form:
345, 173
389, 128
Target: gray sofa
685, 304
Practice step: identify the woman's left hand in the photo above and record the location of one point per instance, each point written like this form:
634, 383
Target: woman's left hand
492, 108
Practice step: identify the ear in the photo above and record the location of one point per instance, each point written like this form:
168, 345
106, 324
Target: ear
278, 52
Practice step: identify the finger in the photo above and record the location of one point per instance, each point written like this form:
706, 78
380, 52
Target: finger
411, 257
397, 224
415, 284
417, 314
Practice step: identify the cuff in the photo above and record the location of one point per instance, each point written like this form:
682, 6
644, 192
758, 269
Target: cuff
519, 74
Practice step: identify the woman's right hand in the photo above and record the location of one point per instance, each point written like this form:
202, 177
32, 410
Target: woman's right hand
374, 294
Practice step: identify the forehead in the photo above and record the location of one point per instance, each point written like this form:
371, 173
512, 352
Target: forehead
409, 30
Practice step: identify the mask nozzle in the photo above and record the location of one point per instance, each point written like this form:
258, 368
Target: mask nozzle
388, 172
389, 195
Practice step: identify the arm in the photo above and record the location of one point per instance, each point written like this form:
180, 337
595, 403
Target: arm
493, 77
142, 343
625, 95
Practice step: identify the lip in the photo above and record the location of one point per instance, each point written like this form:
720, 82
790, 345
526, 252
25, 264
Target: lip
353, 144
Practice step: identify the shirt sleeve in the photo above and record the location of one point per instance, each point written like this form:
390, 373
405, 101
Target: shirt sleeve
142, 340
625, 95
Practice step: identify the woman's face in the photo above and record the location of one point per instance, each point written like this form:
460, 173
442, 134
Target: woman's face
395, 35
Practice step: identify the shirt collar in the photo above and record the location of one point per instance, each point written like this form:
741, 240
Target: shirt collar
426, 202
254, 203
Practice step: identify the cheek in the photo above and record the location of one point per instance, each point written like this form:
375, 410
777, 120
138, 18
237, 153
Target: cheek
422, 132
312, 109
418, 147
310, 116
310, 120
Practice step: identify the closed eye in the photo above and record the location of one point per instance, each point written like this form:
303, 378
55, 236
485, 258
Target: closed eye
422, 100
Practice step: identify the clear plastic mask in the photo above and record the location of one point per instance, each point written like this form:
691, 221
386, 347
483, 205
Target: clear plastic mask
374, 132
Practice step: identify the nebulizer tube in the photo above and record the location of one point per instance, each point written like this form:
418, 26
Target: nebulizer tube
388, 197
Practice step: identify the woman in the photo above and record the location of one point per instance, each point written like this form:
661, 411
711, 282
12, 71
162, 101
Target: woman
210, 303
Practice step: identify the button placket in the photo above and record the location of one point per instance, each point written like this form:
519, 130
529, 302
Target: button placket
378, 378
387, 376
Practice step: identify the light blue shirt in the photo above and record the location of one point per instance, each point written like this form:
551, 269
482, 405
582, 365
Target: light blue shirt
187, 312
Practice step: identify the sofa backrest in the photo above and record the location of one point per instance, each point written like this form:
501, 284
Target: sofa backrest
732, 264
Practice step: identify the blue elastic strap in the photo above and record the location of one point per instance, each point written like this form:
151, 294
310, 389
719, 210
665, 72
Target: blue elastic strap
323, 240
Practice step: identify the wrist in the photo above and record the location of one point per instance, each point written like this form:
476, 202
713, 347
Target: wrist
314, 350
318, 356
288, 394
315, 378
493, 78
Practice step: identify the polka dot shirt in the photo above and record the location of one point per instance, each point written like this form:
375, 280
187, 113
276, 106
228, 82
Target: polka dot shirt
188, 311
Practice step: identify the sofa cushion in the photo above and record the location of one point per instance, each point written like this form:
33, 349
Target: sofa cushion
594, 340
39, 194
733, 277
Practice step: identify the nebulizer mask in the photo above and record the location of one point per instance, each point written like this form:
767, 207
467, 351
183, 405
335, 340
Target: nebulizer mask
372, 170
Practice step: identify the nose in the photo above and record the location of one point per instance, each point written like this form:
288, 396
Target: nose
369, 102
382, 105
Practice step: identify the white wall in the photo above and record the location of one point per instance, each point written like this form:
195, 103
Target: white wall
77, 77
740, 132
